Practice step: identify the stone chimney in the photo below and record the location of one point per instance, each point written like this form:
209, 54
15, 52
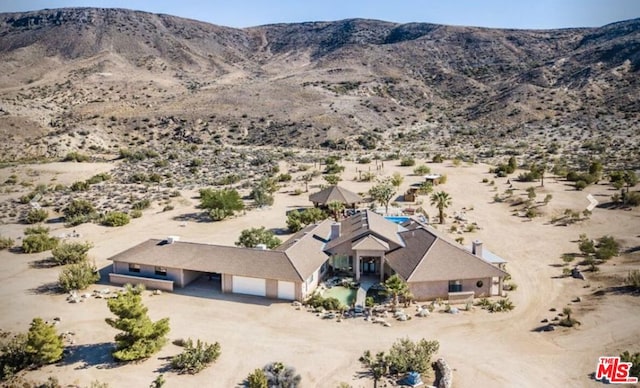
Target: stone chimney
476, 248
335, 231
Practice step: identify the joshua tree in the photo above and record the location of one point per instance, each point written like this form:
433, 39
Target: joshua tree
441, 200
377, 365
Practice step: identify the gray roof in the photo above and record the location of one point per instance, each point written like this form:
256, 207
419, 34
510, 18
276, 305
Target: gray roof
364, 223
335, 193
305, 249
257, 263
429, 257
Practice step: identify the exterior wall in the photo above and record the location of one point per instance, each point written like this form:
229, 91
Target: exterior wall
148, 271
299, 294
470, 285
429, 290
440, 289
272, 288
227, 283
151, 284
189, 276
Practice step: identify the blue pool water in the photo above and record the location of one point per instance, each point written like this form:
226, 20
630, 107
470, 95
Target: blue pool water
397, 219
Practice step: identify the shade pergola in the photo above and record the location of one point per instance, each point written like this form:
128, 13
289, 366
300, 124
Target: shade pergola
335, 193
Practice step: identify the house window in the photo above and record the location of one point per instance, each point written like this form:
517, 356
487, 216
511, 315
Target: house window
455, 286
134, 268
479, 284
161, 271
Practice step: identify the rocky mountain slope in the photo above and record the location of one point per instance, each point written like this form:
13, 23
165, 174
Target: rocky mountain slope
100, 79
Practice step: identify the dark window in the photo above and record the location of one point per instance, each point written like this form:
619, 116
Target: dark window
479, 284
161, 271
134, 268
455, 286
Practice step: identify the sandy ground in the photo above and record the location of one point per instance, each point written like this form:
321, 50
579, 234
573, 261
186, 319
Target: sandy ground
498, 350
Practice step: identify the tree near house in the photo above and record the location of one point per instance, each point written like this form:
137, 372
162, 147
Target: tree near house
441, 200
336, 207
250, 238
139, 337
78, 276
396, 180
332, 179
395, 287
297, 220
307, 178
382, 193
408, 356
71, 252
220, 204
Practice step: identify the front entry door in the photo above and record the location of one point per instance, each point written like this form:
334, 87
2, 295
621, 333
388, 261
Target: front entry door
368, 265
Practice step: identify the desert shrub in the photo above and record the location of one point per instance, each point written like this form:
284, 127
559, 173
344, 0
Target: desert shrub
634, 359
282, 376
333, 169
422, 170
6, 242
438, 158
568, 321
138, 177
79, 209
79, 186
167, 208
78, 276
284, 178
196, 357
633, 279
13, 357
35, 243
36, 215
257, 379
36, 230
407, 161
364, 160
580, 185
75, 157
135, 213
607, 247
115, 218
71, 252
632, 198
102, 177
141, 204
297, 220
406, 355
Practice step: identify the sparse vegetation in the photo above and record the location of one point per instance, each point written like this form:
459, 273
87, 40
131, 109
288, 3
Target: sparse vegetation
196, 357
36, 215
78, 276
251, 238
115, 218
71, 252
220, 203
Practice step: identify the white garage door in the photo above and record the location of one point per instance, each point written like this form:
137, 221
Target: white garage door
286, 290
250, 286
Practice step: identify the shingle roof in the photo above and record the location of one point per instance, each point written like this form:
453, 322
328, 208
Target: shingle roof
428, 257
363, 223
267, 264
370, 243
335, 193
305, 249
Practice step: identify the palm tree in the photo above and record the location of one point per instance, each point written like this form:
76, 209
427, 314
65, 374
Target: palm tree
396, 287
441, 200
336, 207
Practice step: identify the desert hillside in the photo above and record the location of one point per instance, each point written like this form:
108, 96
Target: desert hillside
96, 80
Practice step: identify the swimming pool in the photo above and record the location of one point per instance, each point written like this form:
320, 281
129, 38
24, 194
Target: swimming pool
346, 296
397, 219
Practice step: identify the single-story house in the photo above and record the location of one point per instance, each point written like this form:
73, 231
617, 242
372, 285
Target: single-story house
365, 244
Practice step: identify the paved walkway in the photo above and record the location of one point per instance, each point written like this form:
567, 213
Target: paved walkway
365, 284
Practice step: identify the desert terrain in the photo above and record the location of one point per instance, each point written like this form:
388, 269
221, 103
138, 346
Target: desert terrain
484, 349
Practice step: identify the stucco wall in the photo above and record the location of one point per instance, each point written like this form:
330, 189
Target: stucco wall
440, 289
149, 283
227, 283
149, 271
189, 276
272, 288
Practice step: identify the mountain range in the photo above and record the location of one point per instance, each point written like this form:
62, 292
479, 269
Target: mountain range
97, 79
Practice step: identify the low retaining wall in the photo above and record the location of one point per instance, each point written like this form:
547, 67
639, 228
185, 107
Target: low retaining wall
444, 376
461, 297
149, 283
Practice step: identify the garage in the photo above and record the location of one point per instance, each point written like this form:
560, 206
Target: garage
249, 286
286, 290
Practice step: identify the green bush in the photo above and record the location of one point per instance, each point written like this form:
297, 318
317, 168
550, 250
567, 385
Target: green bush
79, 207
78, 276
36, 215
70, 252
257, 379
142, 204
195, 358
220, 203
407, 161
135, 213
103, 176
6, 242
115, 218
75, 157
36, 230
406, 355
633, 279
422, 170
79, 186
250, 238
35, 243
